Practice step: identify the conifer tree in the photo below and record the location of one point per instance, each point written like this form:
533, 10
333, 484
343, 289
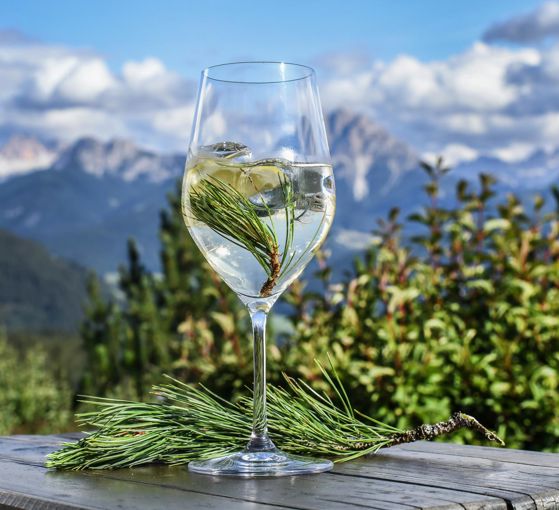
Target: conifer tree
183, 321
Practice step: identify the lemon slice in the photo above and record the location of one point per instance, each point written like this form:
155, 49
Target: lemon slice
247, 179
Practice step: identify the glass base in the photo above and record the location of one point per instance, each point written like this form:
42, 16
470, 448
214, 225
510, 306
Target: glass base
253, 464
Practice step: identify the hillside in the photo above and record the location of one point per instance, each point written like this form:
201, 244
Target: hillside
39, 292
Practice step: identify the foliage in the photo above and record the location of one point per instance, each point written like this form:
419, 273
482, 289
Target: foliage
183, 322
32, 398
191, 423
232, 215
463, 316
467, 318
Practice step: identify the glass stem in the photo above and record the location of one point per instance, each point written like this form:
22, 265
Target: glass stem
259, 440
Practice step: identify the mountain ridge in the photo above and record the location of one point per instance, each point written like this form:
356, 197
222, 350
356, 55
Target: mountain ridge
22, 154
98, 194
118, 157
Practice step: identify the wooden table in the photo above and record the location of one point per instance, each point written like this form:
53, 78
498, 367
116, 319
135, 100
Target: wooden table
418, 475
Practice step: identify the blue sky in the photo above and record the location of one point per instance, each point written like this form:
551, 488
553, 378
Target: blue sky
189, 35
462, 78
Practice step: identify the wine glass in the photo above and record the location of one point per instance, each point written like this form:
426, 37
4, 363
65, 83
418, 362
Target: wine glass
258, 198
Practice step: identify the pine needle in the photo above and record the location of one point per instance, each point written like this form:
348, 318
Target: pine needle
191, 423
229, 213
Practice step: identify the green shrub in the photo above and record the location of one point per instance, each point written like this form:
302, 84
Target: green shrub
466, 317
463, 316
33, 399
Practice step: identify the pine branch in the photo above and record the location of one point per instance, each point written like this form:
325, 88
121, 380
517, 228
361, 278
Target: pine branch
229, 213
235, 217
193, 423
270, 283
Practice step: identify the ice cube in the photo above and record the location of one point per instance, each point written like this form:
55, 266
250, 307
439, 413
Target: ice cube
269, 200
228, 150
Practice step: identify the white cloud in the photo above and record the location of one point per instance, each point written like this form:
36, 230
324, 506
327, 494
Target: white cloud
453, 154
530, 27
146, 70
407, 78
79, 121
482, 99
355, 239
175, 121
514, 153
85, 82
63, 93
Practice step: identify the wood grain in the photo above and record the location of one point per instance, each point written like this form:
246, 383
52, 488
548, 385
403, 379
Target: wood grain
424, 475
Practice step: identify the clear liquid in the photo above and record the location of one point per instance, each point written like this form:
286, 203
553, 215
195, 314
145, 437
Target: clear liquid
295, 200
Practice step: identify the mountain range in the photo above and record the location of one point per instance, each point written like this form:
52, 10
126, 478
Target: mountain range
91, 196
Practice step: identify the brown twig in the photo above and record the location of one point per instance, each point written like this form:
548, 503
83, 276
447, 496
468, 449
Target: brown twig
275, 266
455, 422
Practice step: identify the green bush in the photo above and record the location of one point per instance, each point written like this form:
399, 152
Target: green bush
33, 398
463, 316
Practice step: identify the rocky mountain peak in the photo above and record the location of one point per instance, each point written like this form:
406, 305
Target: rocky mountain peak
364, 152
120, 158
22, 154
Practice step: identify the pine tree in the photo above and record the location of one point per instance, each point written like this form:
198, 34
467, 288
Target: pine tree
102, 334
184, 321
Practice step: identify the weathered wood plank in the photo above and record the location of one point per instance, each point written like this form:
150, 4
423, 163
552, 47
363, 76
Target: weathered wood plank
421, 475
430, 472
301, 492
481, 470
510, 455
466, 490
32, 487
314, 491
22, 501
523, 489
31, 452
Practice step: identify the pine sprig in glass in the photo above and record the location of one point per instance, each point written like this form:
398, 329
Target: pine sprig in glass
258, 199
